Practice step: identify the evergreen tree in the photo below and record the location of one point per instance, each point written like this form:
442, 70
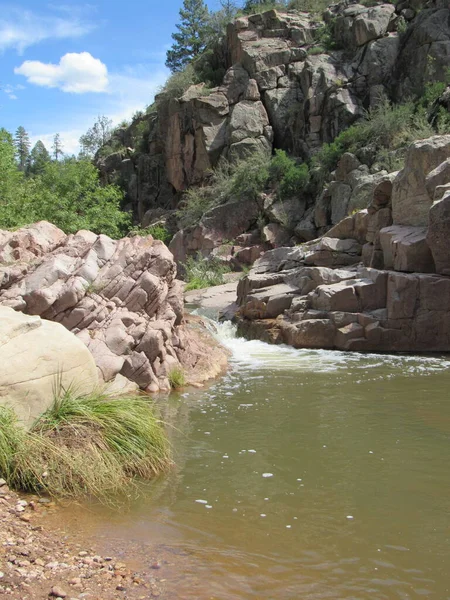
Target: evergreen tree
10, 176
57, 146
191, 37
39, 157
22, 146
96, 136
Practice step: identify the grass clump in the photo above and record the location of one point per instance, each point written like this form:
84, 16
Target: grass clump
92, 445
177, 378
11, 440
203, 272
157, 231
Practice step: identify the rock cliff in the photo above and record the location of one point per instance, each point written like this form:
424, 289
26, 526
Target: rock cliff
320, 295
284, 89
120, 298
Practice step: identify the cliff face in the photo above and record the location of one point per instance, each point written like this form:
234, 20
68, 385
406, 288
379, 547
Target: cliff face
283, 89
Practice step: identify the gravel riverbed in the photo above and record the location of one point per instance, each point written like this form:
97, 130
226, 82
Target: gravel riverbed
37, 561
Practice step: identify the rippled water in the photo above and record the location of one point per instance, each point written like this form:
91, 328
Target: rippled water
303, 475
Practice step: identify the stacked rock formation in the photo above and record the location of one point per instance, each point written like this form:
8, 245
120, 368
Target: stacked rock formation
319, 295
120, 298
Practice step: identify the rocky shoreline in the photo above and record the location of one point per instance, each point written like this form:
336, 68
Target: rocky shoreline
37, 561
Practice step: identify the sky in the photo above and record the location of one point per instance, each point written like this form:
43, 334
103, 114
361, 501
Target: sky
63, 64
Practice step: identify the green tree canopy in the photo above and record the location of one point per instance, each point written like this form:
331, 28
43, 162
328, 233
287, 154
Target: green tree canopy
191, 38
22, 145
67, 193
39, 157
9, 175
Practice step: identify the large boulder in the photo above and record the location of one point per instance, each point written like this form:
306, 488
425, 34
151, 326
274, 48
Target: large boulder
357, 25
39, 360
439, 233
406, 249
410, 198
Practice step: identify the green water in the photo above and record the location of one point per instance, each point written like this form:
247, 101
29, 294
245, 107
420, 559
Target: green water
304, 474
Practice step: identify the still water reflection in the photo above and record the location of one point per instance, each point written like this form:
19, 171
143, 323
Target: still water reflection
303, 475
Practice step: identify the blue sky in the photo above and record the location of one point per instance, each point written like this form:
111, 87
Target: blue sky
64, 63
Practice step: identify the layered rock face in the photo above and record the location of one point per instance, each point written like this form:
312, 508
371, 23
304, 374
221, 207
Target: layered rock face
319, 295
39, 358
120, 298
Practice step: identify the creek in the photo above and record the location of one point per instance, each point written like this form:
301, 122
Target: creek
301, 474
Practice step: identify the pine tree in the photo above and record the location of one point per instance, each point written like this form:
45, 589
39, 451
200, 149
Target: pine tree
191, 37
22, 146
57, 146
39, 157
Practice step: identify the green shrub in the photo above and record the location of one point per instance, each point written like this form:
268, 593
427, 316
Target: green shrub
177, 378
294, 181
177, 84
196, 202
203, 272
316, 50
385, 127
279, 165
91, 445
245, 179
316, 7
250, 176
291, 178
325, 36
141, 133
253, 7
442, 121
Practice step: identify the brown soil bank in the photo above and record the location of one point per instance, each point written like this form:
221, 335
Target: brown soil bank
37, 563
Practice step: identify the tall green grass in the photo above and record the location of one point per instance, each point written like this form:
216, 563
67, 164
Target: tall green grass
92, 445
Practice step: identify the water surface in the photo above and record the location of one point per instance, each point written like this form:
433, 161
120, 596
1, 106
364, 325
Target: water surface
301, 475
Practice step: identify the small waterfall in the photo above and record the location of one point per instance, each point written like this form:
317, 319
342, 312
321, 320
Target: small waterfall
254, 354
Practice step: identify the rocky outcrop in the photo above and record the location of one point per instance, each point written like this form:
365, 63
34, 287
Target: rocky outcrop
39, 358
295, 82
401, 305
120, 298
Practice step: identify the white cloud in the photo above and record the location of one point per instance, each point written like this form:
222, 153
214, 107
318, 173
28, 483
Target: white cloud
69, 140
129, 91
10, 90
134, 90
76, 73
20, 28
